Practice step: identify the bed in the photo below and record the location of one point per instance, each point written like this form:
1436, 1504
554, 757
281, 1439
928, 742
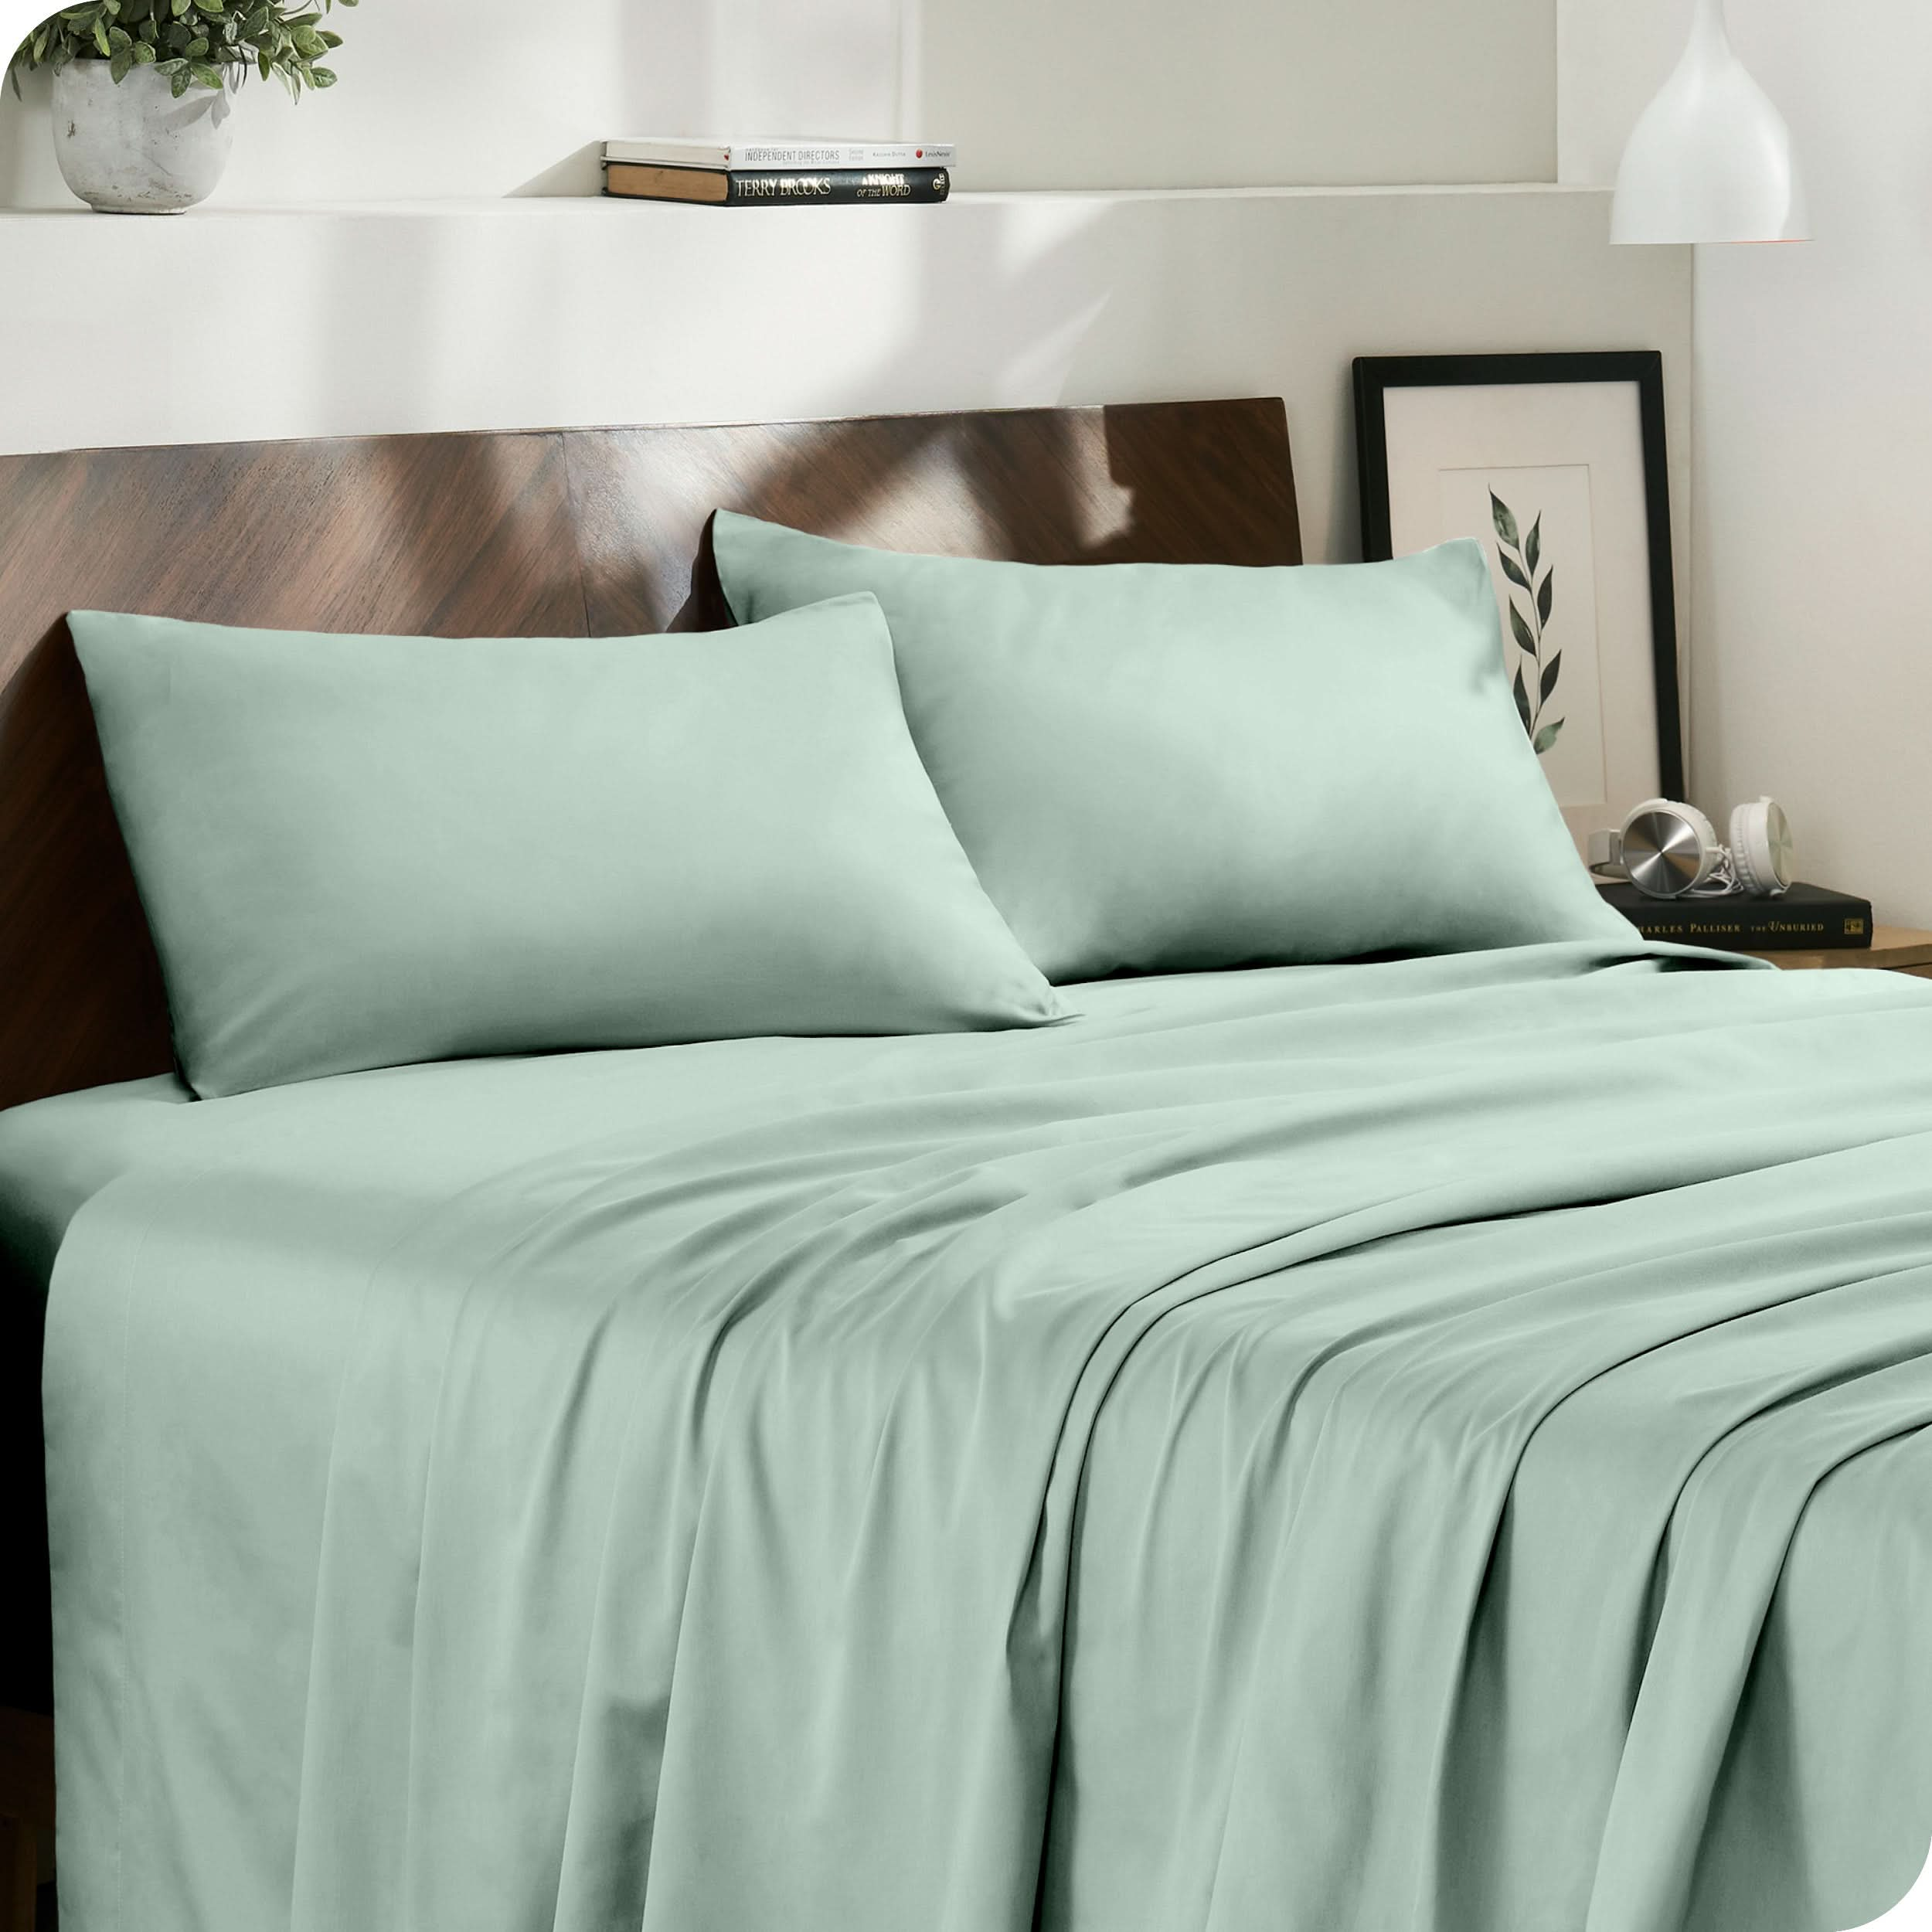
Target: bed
1435, 1443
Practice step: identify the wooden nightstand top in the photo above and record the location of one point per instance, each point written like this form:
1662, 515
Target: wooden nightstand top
1894, 949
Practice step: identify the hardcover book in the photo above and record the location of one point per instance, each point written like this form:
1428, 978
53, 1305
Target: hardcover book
1806, 919
767, 187
803, 152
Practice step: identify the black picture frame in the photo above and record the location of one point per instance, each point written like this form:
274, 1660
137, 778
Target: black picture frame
1376, 375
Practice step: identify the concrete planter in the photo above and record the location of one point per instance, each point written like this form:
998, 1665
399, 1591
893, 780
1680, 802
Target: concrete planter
134, 149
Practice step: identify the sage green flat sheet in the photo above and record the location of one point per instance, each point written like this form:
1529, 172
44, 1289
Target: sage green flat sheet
1434, 1445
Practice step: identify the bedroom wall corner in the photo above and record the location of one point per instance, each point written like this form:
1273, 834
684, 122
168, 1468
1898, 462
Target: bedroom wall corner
1813, 430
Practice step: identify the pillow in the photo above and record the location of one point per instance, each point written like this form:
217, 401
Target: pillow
1164, 768
358, 851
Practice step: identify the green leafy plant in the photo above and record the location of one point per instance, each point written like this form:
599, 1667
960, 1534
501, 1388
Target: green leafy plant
1521, 559
195, 43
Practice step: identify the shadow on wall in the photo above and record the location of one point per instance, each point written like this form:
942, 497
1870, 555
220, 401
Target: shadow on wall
1025, 318
30, 177
975, 328
422, 112
1049, 491
762, 69
977, 337
580, 172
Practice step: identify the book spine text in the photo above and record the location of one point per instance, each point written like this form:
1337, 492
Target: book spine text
834, 186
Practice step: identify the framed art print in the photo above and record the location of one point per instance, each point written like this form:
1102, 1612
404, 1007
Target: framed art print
1556, 465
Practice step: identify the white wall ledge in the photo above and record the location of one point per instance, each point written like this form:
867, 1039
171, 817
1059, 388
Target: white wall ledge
538, 206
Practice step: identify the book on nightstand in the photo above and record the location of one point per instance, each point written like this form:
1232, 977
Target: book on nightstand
1806, 919
772, 188
666, 150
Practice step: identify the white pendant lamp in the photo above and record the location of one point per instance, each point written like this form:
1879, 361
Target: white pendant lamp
1711, 160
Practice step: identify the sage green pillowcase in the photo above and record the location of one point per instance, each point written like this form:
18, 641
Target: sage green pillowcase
359, 852
1160, 767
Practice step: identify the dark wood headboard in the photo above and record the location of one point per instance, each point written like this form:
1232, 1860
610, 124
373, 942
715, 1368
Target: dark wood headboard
560, 533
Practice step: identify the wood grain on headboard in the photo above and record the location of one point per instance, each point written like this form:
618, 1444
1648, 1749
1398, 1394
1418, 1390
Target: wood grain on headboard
599, 533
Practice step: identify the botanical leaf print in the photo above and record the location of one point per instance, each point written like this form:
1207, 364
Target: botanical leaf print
1522, 560
1505, 521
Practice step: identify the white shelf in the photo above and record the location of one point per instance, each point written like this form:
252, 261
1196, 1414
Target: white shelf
555, 207
1314, 191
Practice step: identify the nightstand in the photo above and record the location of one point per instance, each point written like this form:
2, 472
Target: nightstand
1894, 949
26, 1812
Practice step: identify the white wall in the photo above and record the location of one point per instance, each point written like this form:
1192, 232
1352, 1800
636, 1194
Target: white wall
517, 313
457, 97
416, 314
1813, 671
452, 97
1082, 93
1611, 56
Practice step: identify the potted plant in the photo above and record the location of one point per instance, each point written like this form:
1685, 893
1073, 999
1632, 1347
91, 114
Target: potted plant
142, 88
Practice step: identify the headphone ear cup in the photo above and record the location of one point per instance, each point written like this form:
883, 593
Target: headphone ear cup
1669, 848
1761, 840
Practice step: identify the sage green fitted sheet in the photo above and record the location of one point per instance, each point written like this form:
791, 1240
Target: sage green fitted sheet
1437, 1445
55, 1159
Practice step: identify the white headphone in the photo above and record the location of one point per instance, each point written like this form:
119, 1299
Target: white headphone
1670, 851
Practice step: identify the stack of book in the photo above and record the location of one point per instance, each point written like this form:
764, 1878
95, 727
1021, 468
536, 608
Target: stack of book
770, 174
1807, 919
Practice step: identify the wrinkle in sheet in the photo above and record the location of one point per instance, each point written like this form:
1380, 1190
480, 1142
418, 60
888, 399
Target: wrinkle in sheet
1145, 1476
